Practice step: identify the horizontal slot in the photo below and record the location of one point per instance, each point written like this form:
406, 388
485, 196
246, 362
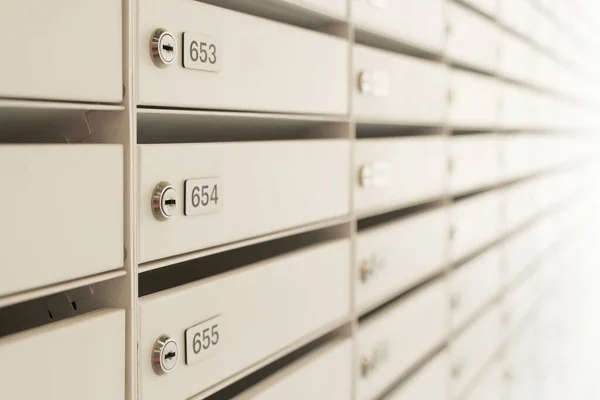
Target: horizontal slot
319, 15
413, 372
469, 68
157, 280
402, 296
264, 373
24, 121
378, 129
396, 215
186, 126
51, 308
383, 42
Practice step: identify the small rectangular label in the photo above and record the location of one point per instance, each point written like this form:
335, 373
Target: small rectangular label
203, 196
203, 340
201, 52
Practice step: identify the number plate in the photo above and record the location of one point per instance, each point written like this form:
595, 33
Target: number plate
203, 340
203, 196
201, 52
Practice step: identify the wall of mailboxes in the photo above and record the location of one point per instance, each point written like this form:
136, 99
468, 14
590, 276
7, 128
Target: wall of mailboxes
298, 199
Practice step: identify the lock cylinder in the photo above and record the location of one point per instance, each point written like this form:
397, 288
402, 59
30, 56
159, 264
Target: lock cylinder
164, 201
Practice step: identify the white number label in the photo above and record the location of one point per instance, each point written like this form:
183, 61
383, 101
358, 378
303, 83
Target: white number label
203, 340
201, 52
203, 196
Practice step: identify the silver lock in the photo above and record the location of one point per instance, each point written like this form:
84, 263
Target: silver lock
164, 355
367, 364
164, 201
454, 301
374, 83
456, 371
366, 270
163, 48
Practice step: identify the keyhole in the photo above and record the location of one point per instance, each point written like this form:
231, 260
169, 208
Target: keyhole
168, 47
170, 355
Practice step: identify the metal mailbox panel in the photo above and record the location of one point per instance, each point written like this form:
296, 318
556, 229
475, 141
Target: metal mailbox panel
265, 187
262, 308
520, 204
473, 349
398, 336
520, 16
519, 251
38, 65
270, 67
473, 285
419, 24
518, 155
323, 375
489, 7
474, 223
65, 218
522, 366
472, 39
519, 107
474, 162
429, 383
516, 60
398, 172
474, 100
335, 8
490, 386
518, 301
392, 87
394, 256
78, 358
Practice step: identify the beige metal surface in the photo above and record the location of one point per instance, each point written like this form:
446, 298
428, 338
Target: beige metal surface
38, 66
415, 90
472, 39
398, 255
395, 161
430, 382
474, 100
475, 162
402, 334
79, 358
64, 213
474, 223
473, 349
271, 186
324, 374
263, 69
402, 20
473, 285
252, 303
